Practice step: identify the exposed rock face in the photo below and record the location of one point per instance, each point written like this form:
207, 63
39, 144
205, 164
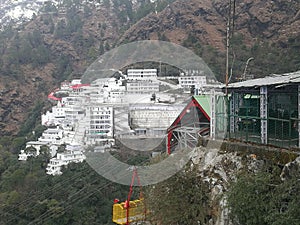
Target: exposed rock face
219, 169
18, 93
18, 96
178, 20
291, 169
256, 19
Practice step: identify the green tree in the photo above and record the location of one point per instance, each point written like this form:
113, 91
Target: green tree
262, 198
17, 144
101, 48
60, 29
181, 199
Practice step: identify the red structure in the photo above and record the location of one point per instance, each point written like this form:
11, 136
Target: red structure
78, 86
125, 213
52, 95
195, 114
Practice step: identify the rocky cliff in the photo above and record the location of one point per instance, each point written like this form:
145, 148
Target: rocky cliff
221, 166
255, 19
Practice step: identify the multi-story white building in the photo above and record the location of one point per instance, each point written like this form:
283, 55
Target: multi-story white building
74, 108
192, 81
141, 74
72, 154
55, 117
142, 86
53, 136
100, 123
105, 90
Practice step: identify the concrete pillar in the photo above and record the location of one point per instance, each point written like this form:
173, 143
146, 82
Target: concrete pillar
213, 115
264, 114
234, 105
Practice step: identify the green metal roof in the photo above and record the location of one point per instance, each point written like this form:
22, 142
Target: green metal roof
204, 101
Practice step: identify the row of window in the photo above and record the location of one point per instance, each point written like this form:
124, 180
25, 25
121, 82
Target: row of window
99, 131
100, 127
100, 117
142, 88
100, 122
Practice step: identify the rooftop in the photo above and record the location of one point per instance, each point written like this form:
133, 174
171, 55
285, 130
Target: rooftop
274, 79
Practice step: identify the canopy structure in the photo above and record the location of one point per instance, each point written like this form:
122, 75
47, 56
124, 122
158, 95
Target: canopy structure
194, 118
266, 110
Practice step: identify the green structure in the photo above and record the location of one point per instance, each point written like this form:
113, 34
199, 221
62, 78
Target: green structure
265, 110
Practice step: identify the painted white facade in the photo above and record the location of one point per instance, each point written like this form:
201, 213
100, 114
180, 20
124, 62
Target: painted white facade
55, 165
192, 81
147, 116
105, 90
142, 86
53, 136
36, 147
55, 117
141, 74
100, 122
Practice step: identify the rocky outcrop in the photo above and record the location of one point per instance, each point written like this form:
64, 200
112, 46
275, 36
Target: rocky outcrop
275, 21
291, 169
219, 167
178, 20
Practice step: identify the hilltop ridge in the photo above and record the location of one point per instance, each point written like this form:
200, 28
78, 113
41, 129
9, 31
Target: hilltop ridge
62, 42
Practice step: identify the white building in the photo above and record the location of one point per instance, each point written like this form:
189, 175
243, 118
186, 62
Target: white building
192, 81
55, 117
74, 109
35, 149
53, 136
100, 123
153, 116
72, 154
105, 90
141, 74
142, 86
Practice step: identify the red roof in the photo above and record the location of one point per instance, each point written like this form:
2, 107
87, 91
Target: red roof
77, 86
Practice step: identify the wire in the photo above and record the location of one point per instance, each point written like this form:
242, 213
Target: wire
49, 212
56, 188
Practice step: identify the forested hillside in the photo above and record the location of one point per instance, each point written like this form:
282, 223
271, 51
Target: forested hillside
29, 196
62, 40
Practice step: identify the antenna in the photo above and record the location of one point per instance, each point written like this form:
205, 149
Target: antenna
229, 33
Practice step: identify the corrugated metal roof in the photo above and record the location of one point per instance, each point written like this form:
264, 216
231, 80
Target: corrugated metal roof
274, 79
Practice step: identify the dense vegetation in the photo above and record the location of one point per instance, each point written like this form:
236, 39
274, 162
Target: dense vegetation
80, 195
263, 198
182, 199
268, 58
29, 196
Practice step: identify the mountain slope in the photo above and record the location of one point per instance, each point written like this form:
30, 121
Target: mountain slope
65, 38
261, 30
56, 45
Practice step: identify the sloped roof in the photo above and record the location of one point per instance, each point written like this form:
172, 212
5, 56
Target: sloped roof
274, 79
204, 102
